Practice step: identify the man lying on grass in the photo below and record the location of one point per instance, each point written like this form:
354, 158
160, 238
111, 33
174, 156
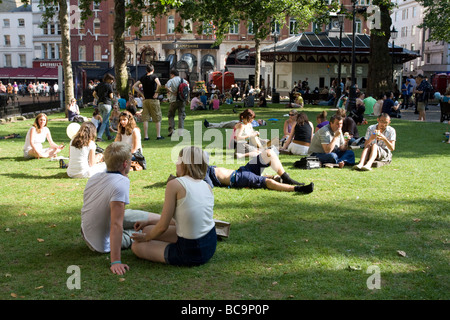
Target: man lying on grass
249, 176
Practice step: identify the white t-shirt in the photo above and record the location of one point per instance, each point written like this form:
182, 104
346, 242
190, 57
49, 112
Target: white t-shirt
38, 140
389, 133
79, 162
128, 139
100, 190
194, 213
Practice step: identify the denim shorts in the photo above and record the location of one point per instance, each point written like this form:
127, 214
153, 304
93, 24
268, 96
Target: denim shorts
191, 252
249, 176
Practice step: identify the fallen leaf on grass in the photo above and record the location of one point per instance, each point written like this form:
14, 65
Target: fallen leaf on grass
13, 295
121, 279
40, 240
38, 288
354, 268
401, 253
417, 220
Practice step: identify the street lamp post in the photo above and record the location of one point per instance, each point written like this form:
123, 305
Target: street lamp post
274, 90
352, 95
175, 55
341, 18
394, 34
136, 41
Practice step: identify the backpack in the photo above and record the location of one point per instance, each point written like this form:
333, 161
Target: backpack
308, 163
183, 91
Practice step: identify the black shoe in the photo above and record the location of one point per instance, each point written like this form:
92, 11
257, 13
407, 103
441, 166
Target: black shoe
305, 189
206, 123
159, 138
111, 138
146, 139
99, 140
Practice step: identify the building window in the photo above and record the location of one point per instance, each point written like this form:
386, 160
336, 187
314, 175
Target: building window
292, 26
44, 51
8, 60
21, 40
414, 12
96, 26
81, 27
96, 6
146, 25
358, 25
275, 27
82, 53
404, 32
22, 60
234, 28
250, 28
97, 53
21, 22
6, 23
52, 51
7, 40
170, 25
404, 14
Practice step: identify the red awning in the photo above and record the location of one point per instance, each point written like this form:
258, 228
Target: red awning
29, 73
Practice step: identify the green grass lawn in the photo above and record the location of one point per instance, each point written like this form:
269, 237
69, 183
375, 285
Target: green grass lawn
282, 246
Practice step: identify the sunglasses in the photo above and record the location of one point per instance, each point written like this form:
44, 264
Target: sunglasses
291, 115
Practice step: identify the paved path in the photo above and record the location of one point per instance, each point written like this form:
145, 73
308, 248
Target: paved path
433, 114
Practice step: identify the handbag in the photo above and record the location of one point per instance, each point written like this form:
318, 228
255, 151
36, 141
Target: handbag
308, 163
139, 157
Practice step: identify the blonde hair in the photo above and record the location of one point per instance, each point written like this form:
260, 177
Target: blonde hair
36, 122
116, 154
194, 161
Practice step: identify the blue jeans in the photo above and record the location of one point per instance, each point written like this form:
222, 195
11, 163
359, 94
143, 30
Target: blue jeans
105, 112
348, 156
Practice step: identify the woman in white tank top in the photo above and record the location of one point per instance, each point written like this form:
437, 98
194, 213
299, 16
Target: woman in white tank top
128, 131
185, 233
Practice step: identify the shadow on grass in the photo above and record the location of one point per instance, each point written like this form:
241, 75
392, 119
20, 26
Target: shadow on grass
24, 175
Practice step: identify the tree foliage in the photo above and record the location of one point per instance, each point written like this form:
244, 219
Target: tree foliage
436, 19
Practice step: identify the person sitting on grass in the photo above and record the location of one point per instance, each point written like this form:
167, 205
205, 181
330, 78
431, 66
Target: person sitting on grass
321, 120
329, 145
36, 136
380, 142
246, 140
129, 132
105, 224
185, 234
288, 125
83, 161
300, 136
249, 176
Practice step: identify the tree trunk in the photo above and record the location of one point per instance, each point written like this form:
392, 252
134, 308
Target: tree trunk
257, 63
379, 77
65, 51
120, 62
